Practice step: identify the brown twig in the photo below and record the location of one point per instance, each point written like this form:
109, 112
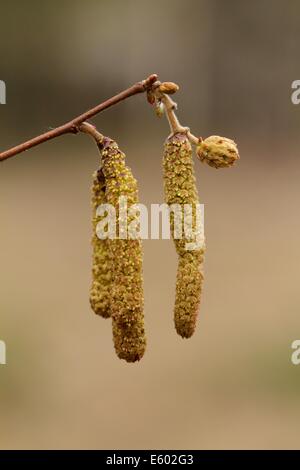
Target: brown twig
91, 130
73, 126
170, 109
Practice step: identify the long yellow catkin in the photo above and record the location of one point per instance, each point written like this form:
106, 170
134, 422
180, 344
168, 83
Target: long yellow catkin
180, 188
101, 265
127, 299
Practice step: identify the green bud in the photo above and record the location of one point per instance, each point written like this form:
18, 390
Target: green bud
218, 152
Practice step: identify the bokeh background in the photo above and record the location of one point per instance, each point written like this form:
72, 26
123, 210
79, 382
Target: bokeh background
233, 384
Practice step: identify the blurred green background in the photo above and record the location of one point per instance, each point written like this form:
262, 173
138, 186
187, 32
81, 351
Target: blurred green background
232, 385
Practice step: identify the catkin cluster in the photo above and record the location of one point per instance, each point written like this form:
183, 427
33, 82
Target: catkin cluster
125, 255
117, 287
180, 188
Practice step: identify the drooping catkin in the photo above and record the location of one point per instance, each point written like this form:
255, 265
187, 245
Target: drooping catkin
180, 188
127, 299
101, 265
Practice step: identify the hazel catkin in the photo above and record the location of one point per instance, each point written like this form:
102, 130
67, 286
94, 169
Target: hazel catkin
101, 264
180, 188
127, 299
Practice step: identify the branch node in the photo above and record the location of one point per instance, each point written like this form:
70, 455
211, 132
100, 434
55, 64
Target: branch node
74, 129
148, 82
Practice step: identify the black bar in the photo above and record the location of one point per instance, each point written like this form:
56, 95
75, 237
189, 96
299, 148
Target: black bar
149, 458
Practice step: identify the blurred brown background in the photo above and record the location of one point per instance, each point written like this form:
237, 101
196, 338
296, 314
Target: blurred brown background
232, 385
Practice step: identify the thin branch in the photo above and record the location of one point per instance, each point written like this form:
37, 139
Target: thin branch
72, 126
170, 107
91, 130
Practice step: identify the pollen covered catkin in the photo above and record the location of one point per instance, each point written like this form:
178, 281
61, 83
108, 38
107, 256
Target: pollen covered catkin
127, 299
101, 265
180, 189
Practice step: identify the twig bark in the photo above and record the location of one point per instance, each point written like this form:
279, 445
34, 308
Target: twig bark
91, 130
170, 107
73, 125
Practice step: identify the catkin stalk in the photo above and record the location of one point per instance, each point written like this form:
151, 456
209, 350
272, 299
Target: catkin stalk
127, 300
101, 263
180, 188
